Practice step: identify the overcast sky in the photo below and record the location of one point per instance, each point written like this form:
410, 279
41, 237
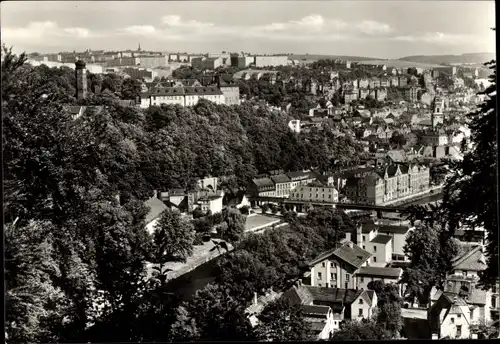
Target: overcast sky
363, 28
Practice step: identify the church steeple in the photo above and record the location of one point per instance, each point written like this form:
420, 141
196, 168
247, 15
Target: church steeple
139, 47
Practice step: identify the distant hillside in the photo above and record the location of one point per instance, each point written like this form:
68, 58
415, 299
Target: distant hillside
451, 59
316, 57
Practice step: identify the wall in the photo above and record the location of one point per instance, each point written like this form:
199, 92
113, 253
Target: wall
364, 280
150, 226
333, 275
231, 95
265, 61
315, 194
365, 306
381, 255
449, 326
283, 189
153, 61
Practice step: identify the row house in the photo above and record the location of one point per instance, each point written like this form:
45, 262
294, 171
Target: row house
381, 94
388, 184
262, 187
350, 96
280, 185
363, 83
183, 96
363, 93
385, 82
374, 83
410, 94
394, 81
402, 81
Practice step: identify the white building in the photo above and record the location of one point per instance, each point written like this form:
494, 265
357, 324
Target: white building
315, 193
184, 96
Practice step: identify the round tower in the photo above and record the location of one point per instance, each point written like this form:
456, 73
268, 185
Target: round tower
81, 80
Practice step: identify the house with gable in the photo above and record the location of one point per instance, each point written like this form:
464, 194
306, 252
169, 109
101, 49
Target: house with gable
156, 207
337, 267
342, 304
450, 317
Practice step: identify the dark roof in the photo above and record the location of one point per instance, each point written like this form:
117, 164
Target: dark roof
379, 272
354, 255
280, 178
381, 239
298, 174
330, 295
263, 182
394, 229
315, 310
156, 208
180, 91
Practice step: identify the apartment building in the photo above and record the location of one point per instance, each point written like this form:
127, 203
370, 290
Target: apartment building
315, 192
282, 183
140, 73
301, 178
153, 61
388, 184
184, 96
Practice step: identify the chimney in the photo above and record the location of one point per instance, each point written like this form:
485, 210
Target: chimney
81, 80
155, 194
97, 90
359, 235
255, 298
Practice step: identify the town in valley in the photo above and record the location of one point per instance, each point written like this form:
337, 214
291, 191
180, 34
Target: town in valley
155, 194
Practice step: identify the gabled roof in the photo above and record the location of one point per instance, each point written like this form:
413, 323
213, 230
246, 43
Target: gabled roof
156, 208
354, 256
471, 259
315, 310
394, 229
379, 272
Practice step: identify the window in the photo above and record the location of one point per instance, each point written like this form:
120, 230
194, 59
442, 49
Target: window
331, 265
360, 312
360, 301
361, 279
459, 330
374, 259
364, 247
319, 284
452, 320
347, 277
375, 249
319, 275
459, 315
323, 264
364, 238
331, 275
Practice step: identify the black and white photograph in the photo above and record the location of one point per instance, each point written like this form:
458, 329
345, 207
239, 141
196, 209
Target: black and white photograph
249, 171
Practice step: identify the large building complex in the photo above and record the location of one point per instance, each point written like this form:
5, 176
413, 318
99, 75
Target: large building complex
184, 96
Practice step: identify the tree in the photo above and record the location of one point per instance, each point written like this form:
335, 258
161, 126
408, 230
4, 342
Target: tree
470, 193
283, 321
234, 225
218, 315
388, 311
361, 330
430, 249
172, 239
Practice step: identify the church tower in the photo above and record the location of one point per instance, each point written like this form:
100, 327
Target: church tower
81, 80
437, 116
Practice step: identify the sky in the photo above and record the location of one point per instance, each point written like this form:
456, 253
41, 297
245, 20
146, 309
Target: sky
376, 28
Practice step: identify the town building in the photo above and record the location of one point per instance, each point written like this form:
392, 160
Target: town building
402, 81
450, 317
394, 81
337, 268
410, 94
262, 187
345, 304
283, 184
300, 178
350, 96
140, 73
380, 94
184, 96
271, 61
388, 184
367, 274
363, 93
315, 192
153, 61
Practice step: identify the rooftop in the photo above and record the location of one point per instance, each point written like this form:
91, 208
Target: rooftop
381, 239
379, 272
